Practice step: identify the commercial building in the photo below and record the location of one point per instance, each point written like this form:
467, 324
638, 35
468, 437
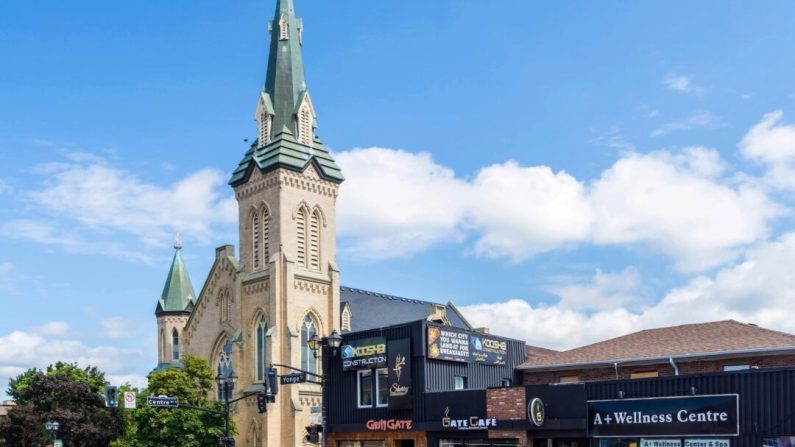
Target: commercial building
418, 384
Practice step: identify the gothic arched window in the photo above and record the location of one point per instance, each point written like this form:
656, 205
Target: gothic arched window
265, 121
174, 345
163, 352
266, 224
255, 241
261, 354
301, 237
305, 124
314, 241
308, 359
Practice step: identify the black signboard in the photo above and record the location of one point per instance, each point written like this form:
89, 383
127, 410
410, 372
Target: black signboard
454, 345
289, 379
715, 415
399, 364
364, 354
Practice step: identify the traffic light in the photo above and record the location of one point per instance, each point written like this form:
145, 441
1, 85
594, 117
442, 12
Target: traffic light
262, 403
312, 435
111, 396
273, 385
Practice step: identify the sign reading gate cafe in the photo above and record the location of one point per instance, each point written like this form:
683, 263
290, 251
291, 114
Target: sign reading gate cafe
715, 415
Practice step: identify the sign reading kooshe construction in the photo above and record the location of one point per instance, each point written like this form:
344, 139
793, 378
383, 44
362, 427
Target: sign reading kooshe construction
364, 354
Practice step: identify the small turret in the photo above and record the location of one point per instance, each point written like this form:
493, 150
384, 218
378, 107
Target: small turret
173, 310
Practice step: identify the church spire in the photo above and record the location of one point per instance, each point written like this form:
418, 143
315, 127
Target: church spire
285, 114
285, 85
178, 295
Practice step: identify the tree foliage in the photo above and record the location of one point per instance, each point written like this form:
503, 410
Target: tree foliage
156, 427
89, 375
81, 412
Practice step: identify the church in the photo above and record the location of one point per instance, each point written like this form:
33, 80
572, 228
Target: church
284, 285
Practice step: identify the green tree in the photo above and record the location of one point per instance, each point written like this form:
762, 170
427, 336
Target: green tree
81, 412
156, 427
89, 375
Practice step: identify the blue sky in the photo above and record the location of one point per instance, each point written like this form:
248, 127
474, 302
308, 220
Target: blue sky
564, 172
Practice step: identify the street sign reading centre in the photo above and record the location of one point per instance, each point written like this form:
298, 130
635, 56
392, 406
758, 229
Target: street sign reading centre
163, 402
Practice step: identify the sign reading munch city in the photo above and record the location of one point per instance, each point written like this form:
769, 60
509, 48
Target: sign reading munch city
455, 345
364, 354
715, 415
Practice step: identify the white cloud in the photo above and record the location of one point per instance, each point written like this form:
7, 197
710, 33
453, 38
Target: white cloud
396, 204
87, 205
7, 277
701, 118
52, 328
676, 203
682, 84
521, 211
760, 289
772, 144
43, 346
118, 328
604, 291
136, 380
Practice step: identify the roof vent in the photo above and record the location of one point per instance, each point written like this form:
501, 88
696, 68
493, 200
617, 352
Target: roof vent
438, 314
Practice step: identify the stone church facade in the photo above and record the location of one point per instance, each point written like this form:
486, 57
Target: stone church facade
285, 285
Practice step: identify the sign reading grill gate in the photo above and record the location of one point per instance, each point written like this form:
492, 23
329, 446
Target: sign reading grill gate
715, 415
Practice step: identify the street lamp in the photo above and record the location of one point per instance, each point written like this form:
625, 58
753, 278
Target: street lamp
226, 384
327, 347
52, 430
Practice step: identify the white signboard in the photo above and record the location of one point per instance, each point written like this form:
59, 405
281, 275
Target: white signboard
316, 415
129, 400
706, 442
660, 443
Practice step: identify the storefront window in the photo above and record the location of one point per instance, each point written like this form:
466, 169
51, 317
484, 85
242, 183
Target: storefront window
382, 377
365, 388
460, 383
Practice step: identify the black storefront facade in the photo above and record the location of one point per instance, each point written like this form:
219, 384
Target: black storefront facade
725, 409
417, 384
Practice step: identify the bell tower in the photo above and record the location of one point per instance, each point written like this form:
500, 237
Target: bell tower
286, 188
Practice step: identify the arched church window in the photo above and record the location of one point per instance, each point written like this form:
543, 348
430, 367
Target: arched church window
305, 124
346, 320
283, 28
174, 345
265, 121
314, 241
262, 330
255, 241
266, 224
308, 359
301, 237
163, 352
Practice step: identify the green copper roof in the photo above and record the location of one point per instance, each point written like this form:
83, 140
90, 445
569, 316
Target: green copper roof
285, 89
178, 293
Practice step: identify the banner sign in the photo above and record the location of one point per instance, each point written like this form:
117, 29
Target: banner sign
715, 415
364, 354
455, 345
399, 374
720, 442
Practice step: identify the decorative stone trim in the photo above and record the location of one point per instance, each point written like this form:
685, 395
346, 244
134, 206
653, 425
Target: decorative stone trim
251, 188
311, 287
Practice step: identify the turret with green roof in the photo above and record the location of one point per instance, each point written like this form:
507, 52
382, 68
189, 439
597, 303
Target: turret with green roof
177, 296
285, 114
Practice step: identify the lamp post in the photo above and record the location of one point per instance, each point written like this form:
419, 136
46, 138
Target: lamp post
52, 430
226, 384
327, 347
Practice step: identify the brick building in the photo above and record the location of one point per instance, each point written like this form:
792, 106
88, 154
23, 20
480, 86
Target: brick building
687, 349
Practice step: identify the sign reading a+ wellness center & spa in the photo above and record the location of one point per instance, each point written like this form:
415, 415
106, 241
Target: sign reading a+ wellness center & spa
715, 415
364, 354
454, 345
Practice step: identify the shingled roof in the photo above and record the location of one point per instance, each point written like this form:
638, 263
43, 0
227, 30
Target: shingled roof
372, 310
692, 340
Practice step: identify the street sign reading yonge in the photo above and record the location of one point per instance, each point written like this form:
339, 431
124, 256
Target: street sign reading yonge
364, 354
290, 379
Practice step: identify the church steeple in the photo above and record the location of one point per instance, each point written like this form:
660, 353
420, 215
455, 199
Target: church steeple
178, 295
285, 85
285, 115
